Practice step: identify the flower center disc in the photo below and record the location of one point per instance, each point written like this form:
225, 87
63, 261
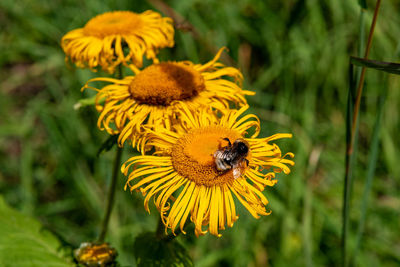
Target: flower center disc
112, 23
160, 84
192, 155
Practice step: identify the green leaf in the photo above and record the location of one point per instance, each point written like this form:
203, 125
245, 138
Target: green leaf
151, 251
389, 67
24, 242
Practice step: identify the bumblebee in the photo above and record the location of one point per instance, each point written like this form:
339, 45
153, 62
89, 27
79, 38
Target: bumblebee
232, 157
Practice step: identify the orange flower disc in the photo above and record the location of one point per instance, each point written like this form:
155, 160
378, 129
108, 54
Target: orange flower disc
160, 84
196, 162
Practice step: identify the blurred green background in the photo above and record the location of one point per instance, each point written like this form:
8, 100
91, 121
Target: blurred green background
294, 54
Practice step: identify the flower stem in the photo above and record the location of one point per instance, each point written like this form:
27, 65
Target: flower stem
111, 194
115, 172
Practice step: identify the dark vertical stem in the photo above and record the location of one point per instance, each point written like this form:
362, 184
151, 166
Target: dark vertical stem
115, 172
349, 168
111, 194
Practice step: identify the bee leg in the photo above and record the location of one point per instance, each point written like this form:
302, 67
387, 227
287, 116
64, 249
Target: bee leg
229, 141
236, 173
247, 162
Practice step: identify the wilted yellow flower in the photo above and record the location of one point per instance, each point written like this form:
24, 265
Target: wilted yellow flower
92, 254
183, 177
155, 95
112, 38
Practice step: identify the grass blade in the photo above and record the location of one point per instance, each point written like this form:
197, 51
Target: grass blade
373, 156
389, 67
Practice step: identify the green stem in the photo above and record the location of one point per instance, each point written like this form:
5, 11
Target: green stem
349, 168
111, 194
115, 172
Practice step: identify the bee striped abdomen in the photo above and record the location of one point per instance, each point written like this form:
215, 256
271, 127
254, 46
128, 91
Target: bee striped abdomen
222, 160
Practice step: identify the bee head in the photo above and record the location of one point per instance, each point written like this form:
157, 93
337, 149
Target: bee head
242, 147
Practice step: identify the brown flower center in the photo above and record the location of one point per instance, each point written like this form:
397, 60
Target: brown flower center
160, 84
192, 155
113, 23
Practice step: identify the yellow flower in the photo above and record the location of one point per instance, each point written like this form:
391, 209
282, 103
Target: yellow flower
155, 94
183, 176
102, 41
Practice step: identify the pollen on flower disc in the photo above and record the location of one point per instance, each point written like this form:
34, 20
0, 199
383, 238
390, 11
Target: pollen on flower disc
192, 155
160, 84
111, 23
